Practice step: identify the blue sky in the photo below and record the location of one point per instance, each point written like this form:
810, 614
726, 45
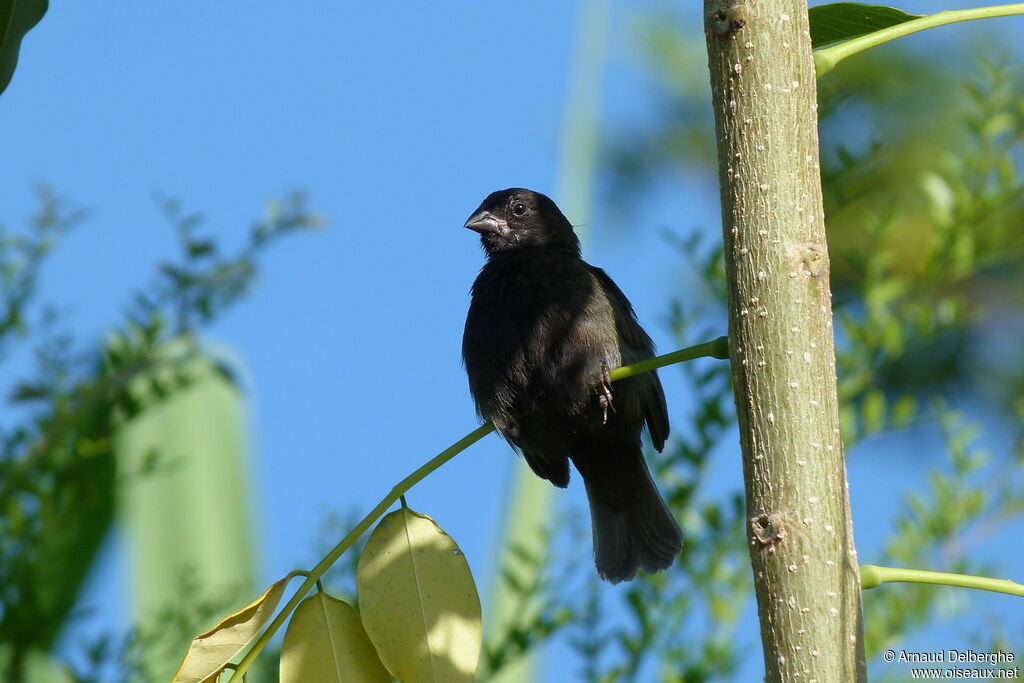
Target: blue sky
397, 118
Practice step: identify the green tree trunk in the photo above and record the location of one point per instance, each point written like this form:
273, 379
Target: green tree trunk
781, 340
187, 516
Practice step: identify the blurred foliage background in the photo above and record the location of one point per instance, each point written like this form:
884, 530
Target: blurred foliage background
924, 203
145, 426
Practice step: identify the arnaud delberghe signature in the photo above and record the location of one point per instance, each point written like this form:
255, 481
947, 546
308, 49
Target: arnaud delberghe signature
993, 658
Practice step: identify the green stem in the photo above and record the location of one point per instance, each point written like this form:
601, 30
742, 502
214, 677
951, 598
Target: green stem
826, 59
872, 576
715, 349
718, 348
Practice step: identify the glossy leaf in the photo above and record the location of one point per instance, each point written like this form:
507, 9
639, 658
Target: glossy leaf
17, 17
418, 601
325, 641
209, 652
841, 21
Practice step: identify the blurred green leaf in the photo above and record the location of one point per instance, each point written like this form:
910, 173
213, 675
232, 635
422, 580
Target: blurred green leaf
873, 411
903, 411
26, 391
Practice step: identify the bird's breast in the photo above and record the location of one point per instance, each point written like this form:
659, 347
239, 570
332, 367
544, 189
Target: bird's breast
537, 335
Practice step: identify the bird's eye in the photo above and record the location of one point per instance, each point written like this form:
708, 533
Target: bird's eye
519, 208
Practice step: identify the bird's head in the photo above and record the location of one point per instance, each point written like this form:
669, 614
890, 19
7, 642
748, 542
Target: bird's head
516, 219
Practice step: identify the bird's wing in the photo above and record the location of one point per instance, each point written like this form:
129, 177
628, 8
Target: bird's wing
634, 336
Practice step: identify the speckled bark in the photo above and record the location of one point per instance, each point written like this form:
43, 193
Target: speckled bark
781, 341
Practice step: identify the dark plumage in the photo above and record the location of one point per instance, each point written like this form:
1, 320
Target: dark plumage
544, 330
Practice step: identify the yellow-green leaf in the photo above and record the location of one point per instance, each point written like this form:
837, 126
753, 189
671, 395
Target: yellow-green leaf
325, 641
418, 601
209, 652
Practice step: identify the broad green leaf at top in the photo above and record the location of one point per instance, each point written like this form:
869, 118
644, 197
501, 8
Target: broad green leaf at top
849, 28
17, 17
841, 21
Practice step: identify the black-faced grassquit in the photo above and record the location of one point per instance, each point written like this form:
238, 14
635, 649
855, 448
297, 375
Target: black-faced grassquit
544, 330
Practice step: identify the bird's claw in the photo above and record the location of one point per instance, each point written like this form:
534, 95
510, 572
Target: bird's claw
604, 395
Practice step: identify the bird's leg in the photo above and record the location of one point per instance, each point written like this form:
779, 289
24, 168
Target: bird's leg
604, 392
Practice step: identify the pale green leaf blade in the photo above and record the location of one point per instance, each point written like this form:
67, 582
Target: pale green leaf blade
209, 652
841, 21
418, 601
325, 641
184, 495
17, 17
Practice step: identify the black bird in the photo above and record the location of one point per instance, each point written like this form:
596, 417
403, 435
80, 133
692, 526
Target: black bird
544, 330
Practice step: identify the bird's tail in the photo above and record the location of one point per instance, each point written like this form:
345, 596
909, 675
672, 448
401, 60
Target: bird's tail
639, 533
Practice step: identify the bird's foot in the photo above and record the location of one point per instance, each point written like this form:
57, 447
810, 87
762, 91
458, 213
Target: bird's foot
604, 393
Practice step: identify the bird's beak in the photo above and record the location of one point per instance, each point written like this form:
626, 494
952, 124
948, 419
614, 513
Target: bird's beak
484, 221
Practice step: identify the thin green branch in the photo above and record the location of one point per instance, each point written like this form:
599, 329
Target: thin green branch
826, 59
718, 348
872, 576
